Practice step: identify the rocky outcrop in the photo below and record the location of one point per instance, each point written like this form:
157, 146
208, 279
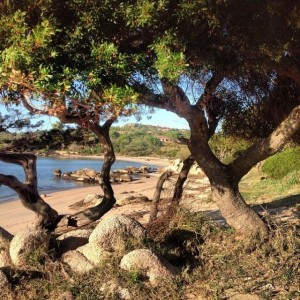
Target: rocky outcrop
77, 262
73, 239
114, 232
27, 244
91, 175
86, 175
150, 265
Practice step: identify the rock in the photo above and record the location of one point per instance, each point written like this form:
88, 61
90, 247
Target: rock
5, 238
135, 198
94, 254
28, 243
3, 281
77, 262
90, 200
125, 178
150, 265
57, 172
113, 232
4, 259
73, 239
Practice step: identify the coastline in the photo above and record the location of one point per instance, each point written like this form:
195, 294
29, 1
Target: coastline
14, 217
159, 161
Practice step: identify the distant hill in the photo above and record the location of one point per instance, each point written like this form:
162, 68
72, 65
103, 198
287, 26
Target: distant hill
131, 140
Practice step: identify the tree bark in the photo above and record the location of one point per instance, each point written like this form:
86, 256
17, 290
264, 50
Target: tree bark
92, 214
187, 164
27, 191
156, 197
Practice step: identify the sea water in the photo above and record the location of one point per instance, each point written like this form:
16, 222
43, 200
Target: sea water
47, 181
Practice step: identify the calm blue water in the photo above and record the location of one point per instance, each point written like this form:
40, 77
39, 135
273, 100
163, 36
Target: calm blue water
46, 181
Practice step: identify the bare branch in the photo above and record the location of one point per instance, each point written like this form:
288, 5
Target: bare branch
268, 146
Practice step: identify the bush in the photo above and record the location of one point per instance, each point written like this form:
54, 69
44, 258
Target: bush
282, 163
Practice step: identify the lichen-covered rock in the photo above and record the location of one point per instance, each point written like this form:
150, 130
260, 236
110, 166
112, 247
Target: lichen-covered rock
77, 262
114, 232
27, 245
94, 254
155, 267
73, 239
5, 238
4, 259
3, 280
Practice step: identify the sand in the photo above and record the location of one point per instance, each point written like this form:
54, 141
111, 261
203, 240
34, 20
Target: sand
15, 217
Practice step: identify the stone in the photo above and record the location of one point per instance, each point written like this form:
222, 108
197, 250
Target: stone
90, 200
135, 198
113, 232
94, 254
77, 262
73, 239
125, 178
27, 243
57, 172
3, 281
153, 266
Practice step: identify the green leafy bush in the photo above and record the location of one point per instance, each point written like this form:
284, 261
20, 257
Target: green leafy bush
282, 163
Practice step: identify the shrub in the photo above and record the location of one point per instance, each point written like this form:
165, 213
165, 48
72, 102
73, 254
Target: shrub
282, 163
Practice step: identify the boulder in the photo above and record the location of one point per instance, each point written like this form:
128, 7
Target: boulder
73, 239
4, 259
28, 243
94, 254
90, 200
154, 267
125, 178
135, 198
57, 172
3, 280
5, 238
114, 232
77, 262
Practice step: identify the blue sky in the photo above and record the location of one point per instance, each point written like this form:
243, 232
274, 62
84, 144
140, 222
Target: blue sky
158, 118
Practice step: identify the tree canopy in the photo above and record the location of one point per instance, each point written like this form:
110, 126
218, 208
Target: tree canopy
204, 60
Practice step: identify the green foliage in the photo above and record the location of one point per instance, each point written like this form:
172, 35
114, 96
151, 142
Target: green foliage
170, 64
227, 148
282, 163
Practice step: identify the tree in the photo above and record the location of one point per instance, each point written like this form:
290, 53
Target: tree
198, 59
40, 71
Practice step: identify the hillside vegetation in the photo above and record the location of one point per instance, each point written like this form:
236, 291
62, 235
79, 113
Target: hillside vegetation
130, 140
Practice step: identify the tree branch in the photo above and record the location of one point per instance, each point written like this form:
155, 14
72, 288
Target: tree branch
267, 147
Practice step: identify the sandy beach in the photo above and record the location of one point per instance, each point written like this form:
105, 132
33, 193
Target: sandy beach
14, 217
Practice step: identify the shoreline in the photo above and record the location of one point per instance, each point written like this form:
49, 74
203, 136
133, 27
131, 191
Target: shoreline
14, 216
158, 162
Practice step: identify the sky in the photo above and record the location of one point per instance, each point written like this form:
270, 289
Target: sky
158, 118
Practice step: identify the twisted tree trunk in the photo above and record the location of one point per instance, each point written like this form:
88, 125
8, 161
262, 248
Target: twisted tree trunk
27, 190
156, 197
94, 213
